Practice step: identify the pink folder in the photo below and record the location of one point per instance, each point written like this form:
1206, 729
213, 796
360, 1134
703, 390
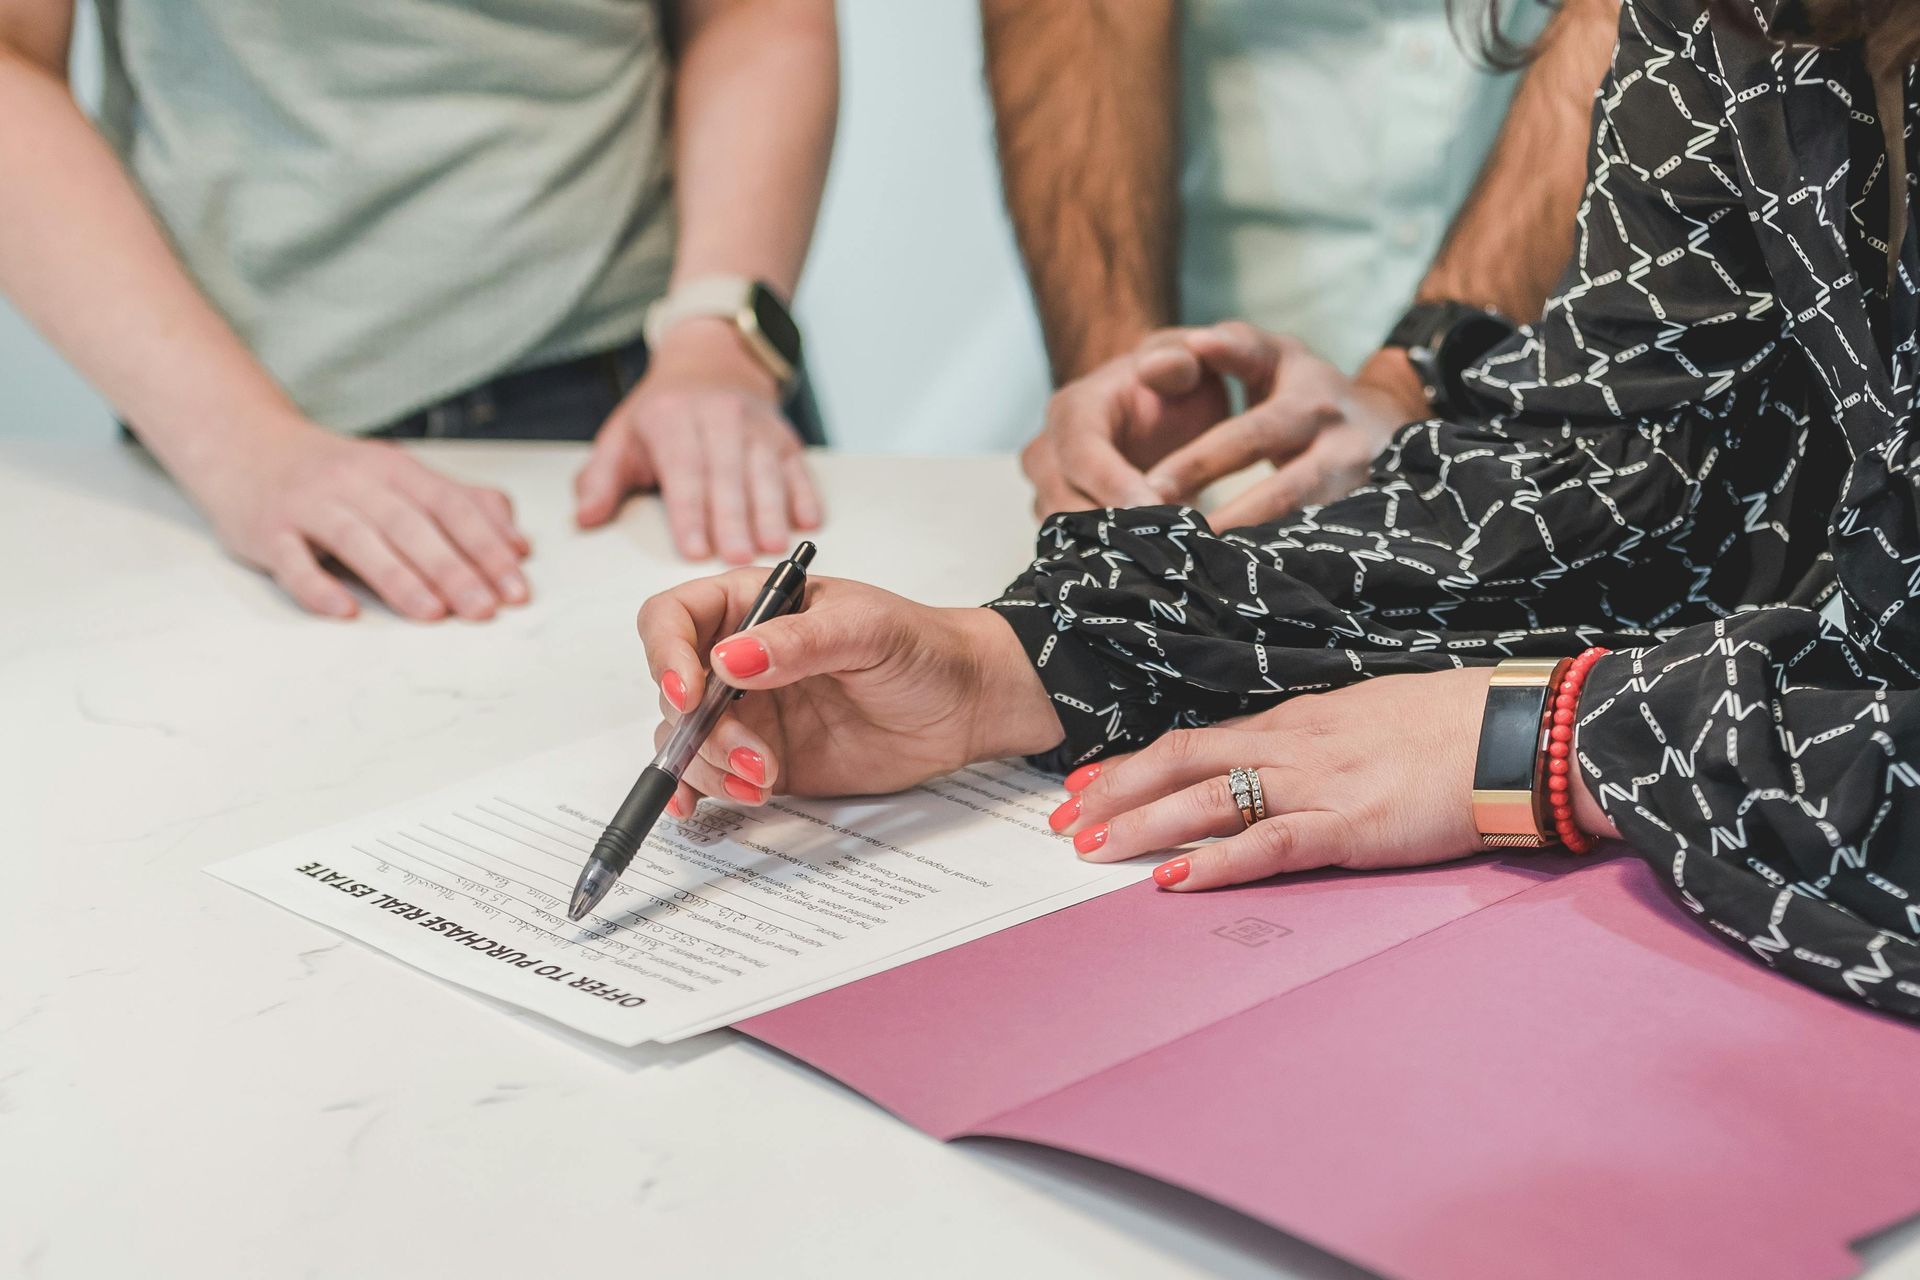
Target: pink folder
1469, 1072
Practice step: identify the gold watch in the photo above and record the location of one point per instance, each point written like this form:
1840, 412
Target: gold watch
1509, 793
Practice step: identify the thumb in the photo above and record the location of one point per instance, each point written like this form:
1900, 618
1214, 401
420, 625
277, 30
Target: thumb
823, 640
1172, 370
617, 466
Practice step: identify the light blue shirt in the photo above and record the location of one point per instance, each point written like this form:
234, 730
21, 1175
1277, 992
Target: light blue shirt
1328, 144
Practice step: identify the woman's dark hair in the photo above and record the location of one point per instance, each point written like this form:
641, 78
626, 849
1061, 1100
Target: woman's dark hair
1481, 28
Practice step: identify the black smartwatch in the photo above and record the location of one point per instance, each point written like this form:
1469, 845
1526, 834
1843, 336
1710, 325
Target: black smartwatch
1442, 341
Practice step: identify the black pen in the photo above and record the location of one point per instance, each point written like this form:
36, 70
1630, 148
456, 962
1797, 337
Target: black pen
785, 592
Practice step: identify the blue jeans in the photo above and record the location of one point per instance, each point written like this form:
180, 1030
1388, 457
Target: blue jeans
565, 401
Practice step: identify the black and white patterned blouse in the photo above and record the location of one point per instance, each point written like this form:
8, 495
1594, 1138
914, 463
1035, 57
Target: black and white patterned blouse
1705, 440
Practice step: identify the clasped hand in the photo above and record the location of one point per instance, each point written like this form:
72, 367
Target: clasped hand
1152, 426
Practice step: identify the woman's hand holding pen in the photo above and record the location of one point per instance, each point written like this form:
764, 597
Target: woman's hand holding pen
862, 692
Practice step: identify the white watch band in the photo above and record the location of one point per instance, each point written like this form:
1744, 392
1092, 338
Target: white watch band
722, 296
728, 298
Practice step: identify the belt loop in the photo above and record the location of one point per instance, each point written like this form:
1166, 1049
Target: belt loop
484, 408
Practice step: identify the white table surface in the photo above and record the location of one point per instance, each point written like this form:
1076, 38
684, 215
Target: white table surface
195, 1083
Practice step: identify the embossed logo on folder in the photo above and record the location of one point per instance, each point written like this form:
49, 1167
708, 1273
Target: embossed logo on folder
1251, 931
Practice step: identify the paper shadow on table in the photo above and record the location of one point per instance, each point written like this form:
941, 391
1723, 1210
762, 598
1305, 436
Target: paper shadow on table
1469, 1074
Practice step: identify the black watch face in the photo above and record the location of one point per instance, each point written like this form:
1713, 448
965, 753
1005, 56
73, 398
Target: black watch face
775, 324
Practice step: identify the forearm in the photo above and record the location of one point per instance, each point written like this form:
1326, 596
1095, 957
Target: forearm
755, 91
1754, 761
1513, 238
1085, 105
83, 259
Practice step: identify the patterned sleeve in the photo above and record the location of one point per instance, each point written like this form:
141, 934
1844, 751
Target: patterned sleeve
1594, 503
1660, 453
1757, 759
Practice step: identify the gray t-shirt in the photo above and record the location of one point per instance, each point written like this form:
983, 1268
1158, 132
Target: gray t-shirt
390, 200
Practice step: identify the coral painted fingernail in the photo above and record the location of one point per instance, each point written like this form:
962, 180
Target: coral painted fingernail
675, 808
675, 688
741, 791
1090, 839
1063, 817
748, 765
743, 656
1169, 874
1079, 778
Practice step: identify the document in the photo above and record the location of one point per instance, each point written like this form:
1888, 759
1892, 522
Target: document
730, 912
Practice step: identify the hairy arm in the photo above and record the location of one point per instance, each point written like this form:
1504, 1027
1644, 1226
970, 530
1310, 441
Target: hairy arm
1085, 98
1529, 189
1513, 238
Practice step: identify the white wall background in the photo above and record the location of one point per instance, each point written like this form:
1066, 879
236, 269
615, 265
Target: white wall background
921, 335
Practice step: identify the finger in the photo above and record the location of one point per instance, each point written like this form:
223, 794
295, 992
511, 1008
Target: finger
1092, 463
738, 751
1055, 495
1040, 461
723, 449
720, 783
1199, 812
701, 777
685, 801
677, 628
819, 641
498, 508
1289, 842
1239, 350
683, 490
426, 545
353, 540
1172, 762
461, 513
1270, 432
617, 465
292, 564
803, 496
767, 499
1171, 370
1304, 482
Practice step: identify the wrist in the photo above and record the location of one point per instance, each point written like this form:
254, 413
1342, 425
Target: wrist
1013, 715
1075, 354
1390, 373
202, 457
712, 349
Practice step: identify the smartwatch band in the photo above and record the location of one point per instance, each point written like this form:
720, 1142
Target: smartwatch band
1509, 806
1442, 341
750, 306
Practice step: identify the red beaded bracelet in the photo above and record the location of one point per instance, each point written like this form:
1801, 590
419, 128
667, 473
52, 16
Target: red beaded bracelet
1566, 706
